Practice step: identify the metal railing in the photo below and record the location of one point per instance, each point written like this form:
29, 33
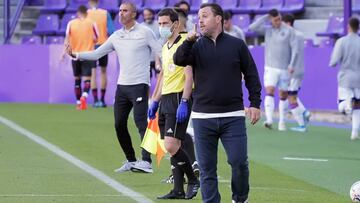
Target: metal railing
10, 24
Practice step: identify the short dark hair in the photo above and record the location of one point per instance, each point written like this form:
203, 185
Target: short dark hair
150, 10
82, 9
182, 2
95, 1
169, 12
289, 18
216, 9
180, 12
274, 12
354, 24
228, 15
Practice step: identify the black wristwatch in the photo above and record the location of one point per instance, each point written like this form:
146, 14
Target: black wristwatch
184, 100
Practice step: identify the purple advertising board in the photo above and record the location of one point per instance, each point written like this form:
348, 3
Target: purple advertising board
37, 74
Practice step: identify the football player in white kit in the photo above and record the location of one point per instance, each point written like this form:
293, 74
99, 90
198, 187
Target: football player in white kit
347, 53
280, 55
300, 113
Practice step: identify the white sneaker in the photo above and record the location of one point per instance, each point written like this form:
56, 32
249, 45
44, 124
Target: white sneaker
282, 127
306, 116
301, 129
125, 167
354, 137
142, 166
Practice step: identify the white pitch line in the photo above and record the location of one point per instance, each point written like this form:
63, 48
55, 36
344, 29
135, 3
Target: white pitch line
304, 159
59, 195
77, 162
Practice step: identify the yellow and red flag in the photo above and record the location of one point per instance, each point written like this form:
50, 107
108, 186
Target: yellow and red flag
152, 141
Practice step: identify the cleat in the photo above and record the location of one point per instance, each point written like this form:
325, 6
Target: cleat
142, 167
306, 116
282, 127
192, 190
125, 167
196, 169
301, 129
83, 105
173, 195
102, 104
268, 125
168, 180
354, 137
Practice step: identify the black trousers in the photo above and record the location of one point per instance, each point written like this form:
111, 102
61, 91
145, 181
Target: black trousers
131, 97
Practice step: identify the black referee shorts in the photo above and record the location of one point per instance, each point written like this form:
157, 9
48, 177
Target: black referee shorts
82, 68
103, 61
167, 116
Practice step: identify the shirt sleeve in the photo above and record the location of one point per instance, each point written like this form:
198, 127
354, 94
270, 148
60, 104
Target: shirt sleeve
251, 76
154, 45
185, 54
101, 51
336, 54
294, 45
259, 25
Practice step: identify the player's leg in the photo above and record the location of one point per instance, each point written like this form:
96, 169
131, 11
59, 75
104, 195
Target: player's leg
94, 89
296, 110
77, 76
345, 96
122, 108
180, 161
270, 81
356, 115
86, 67
139, 98
283, 85
103, 62
234, 140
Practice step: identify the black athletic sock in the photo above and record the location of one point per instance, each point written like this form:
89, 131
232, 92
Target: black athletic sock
188, 146
87, 86
95, 94
77, 89
103, 91
178, 176
182, 160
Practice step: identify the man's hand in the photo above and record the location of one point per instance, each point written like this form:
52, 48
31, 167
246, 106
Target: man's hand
182, 112
193, 35
153, 109
68, 50
253, 114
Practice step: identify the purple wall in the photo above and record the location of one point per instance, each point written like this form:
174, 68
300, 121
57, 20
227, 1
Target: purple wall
36, 74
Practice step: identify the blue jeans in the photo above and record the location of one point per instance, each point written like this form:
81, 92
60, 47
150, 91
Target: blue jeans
232, 133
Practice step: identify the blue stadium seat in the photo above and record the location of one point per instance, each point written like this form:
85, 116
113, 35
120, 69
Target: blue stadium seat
356, 6
334, 28
110, 5
267, 5
31, 39
64, 21
249, 6
293, 6
229, 5
155, 4
74, 5
54, 6
47, 24
54, 40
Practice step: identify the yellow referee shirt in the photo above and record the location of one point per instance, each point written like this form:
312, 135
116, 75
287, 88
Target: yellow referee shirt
174, 76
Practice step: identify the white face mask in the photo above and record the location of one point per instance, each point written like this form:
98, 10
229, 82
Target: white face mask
165, 32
